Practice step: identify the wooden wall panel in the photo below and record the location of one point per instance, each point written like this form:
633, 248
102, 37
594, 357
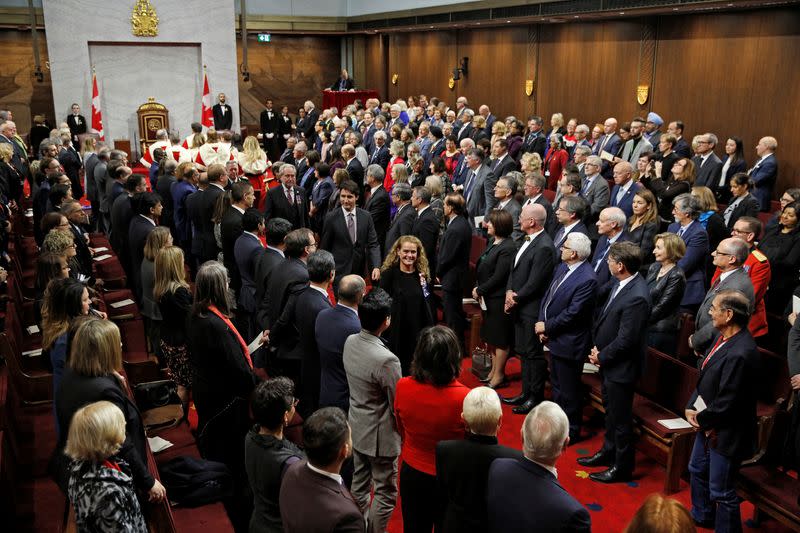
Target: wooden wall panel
19, 90
376, 76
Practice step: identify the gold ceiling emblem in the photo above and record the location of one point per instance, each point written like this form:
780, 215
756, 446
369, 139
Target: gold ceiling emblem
144, 21
642, 91
528, 87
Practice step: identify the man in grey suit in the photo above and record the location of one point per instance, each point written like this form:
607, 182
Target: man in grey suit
707, 165
504, 193
729, 257
479, 186
636, 145
372, 374
594, 189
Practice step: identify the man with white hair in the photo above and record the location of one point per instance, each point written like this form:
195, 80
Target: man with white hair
524, 494
707, 165
765, 171
19, 159
611, 228
462, 106
162, 141
564, 325
460, 173
465, 128
462, 466
486, 113
380, 154
394, 113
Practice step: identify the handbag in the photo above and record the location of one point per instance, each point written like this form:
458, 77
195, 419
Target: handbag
481, 362
159, 404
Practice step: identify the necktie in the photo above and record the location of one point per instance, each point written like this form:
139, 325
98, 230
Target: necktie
351, 226
614, 292
553, 288
559, 237
729, 211
470, 183
681, 231
586, 185
602, 257
290, 196
602, 144
528, 202
620, 194
720, 342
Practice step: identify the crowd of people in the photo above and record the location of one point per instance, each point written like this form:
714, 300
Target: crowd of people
335, 239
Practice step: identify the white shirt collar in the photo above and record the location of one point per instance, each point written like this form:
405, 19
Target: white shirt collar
278, 250
348, 308
423, 209
533, 198
627, 186
375, 188
549, 468
238, 208
218, 186
252, 235
626, 281
615, 238
150, 220
724, 275
567, 229
336, 477
502, 205
319, 290
346, 212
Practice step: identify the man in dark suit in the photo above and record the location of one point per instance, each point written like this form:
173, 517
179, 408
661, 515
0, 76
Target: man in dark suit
569, 214
479, 186
534, 186
349, 234
765, 172
120, 217
287, 201
681, 147
354, 168
242, 198
332, 328
247, 251
624, 188
524, 494
610, 142
707, 165
294, 332
321, 193
223, 114
164, 190
620, 341
344, 83
77, 126
378, 203
404, 217
72, 164
528, 281
73, 210
535, 141
462, 466
726, 418
426, 225
206, 203
452, 267
502, 163
686, 211
273, 255
380, 152
611, 228
269, 130
147, 207
316, 483
504, 192
564, 326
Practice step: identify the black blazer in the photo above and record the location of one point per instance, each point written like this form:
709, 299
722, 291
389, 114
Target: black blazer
230, 228
402, 224
493, 268
121, 214
462, 471
356, 172
620, 332
536, 144
643, 237
222, 122
728, 385
426, 229
379, 205
72, 163
293, 333
348, 84
380, 157
268, 260
453, 260
205, 212
748, 207
504, 167
308, 304
277, 206
530, 277
723, 193
83, 254
351, 257
288, 277
665, 295
137, 237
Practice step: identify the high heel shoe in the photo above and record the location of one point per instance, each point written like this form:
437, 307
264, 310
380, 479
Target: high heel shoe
503, 384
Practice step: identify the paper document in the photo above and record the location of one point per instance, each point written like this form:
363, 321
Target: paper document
102, 257
101, 249
795, 304
121, 303
478, 221
32, 329
699, 404
482, 302
32, 353
157, 444
255, 345
589, 368
675, 423
606, 156
466, 301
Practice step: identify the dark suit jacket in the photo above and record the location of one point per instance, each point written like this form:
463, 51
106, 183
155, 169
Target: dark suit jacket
380, 157
247, 252
665, 298
222, 122
74, 127
269, 259
705, 333
452, 264
334, 507
205, 205
194, 215
626, 202
378, 206
137, 237
277, 206
356, 171
332, 328
708, 174
348, 84
426, 229
288, 277
351, 257
682, 148
567, 310
728, 384
83, 254
308, 304
534, 142
747, 207
121, 214
558, 237
164, 189
530, 277
402, 224
599, 264
504, 167
230, 228
524, 497
693, 262
72, 163
269, 125
620, 331
462, 471
723, 193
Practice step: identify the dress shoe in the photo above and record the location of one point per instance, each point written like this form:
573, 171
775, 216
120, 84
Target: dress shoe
525, 408
501, 385
708, 524
612, 475
516, 400
598, 459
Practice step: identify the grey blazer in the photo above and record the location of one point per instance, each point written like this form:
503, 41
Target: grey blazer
597, 196
481, 199
514, 210
704, 329
372, 375
631, 155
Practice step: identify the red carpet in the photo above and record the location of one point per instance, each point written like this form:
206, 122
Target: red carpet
610, 506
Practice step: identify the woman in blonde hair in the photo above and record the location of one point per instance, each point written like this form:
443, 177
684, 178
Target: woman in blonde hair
100, 486
530, 162
88, 147
255, 165
91, 375
397, 150
405, 275
171, 292
661, 515
159, 238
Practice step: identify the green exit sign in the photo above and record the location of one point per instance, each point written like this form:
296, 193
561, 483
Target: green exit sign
264, 37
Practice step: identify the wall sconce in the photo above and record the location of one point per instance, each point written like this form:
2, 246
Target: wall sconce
458, 71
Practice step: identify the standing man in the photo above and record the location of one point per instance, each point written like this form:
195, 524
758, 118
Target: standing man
503, 163
452, 268
378, 203
287, 201
247, 251
72, 163
686, 210
77, 125
223, 114
707, 164
344, 83
217, 181
372, 374
636, 145
620, 341
564, 326
404, 217
757, 267
611, 228
765, 171
624, 188
535, 141
269, 131
479, 186
594, 189
242, 198
527, 283
504, 193
426, 225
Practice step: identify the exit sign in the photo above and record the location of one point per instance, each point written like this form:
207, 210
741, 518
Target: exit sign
264, 37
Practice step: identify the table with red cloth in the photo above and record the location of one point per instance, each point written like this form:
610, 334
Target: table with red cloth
341, 99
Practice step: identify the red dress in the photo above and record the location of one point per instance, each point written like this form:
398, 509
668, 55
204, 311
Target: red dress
554, 164
388, 182
451, 163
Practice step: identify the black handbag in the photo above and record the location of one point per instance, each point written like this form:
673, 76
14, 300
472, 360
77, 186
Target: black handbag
481, 362
159, 403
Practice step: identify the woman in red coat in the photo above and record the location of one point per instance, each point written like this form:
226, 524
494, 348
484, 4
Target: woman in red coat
428, 406
555, 161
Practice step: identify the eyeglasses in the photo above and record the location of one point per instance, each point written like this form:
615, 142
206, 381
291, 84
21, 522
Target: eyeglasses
735, 231
717, 252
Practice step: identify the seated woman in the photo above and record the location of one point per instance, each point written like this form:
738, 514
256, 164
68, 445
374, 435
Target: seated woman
789, 196
781, 245
428, 406
100, 487
92, 375
667, 284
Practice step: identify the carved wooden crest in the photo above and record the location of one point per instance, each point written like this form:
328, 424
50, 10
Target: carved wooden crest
144, 21
451, 83
642, 91
394, 79
528, 87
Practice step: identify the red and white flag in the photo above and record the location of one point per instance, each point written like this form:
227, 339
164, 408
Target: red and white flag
97, 115
207, 113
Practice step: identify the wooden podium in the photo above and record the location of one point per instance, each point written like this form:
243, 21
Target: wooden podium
152, 117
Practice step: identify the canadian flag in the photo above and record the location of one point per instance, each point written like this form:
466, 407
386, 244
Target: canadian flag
97, 115
207, 114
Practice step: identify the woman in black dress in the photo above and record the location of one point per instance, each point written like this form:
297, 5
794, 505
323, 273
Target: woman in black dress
667, 285
493, 267
405, 276
781, 245
643, 225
